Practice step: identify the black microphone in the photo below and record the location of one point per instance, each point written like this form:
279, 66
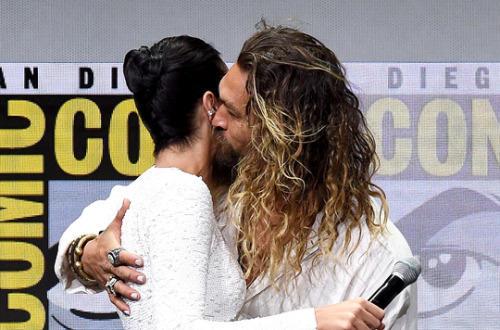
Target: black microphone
404, 273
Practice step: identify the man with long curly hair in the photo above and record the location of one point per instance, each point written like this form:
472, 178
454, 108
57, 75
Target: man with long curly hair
302, 203
309, 229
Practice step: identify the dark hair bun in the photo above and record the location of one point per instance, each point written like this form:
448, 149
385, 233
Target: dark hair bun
168, 80
142, 71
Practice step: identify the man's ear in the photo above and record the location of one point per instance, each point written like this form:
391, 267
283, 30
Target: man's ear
209, 101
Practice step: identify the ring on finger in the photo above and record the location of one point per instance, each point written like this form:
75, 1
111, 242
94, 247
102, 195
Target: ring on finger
114, 256
110, 285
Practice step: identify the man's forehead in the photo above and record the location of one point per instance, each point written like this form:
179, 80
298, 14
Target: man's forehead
232, 87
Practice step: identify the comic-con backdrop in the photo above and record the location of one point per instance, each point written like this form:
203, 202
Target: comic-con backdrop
70, 131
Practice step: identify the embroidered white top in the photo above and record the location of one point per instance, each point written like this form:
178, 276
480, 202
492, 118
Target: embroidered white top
194, 281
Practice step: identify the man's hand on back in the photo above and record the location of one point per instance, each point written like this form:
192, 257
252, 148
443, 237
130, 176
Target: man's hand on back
96, 264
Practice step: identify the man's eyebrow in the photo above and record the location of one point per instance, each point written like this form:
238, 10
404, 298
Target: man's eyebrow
228, 104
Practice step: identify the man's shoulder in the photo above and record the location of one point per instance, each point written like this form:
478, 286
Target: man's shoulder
394, 241
387, 240
383, 246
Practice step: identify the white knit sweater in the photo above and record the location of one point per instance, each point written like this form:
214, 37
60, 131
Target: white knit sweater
193, 280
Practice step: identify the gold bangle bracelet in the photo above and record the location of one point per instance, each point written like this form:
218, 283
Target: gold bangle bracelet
74, 255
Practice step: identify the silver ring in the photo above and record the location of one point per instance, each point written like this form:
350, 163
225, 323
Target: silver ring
114, 256
110, 285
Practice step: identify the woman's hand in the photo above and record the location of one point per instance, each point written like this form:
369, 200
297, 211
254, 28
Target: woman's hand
352, 314
96, 264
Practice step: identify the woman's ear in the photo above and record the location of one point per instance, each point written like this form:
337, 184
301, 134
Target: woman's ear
209, 101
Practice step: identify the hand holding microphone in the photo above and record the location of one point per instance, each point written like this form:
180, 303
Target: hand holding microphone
359, 313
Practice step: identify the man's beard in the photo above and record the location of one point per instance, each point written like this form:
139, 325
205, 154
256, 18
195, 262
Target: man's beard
225, 162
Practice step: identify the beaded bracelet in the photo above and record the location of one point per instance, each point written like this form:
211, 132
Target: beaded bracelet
74, 255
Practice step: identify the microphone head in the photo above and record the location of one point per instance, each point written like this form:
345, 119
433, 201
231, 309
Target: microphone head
407, 270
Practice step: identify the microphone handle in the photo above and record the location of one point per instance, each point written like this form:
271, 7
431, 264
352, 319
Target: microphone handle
392, 286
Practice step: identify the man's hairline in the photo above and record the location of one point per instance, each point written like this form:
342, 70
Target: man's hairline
229, 104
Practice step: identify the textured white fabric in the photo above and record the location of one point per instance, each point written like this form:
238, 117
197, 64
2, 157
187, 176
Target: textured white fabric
191, 273
359, 275
194, 281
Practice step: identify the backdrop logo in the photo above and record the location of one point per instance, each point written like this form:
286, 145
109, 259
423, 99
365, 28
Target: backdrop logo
68, 129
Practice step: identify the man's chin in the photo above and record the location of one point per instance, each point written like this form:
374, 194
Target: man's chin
225, 164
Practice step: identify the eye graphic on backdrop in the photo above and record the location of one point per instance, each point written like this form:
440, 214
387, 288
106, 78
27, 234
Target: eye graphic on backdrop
452, 271
457, 268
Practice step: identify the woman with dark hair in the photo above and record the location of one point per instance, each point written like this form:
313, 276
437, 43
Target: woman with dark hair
191, 274
194, 278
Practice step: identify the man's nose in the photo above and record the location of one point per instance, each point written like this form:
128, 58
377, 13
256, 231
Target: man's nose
219, 120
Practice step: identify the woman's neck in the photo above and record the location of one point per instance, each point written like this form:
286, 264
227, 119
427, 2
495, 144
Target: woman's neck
194, 159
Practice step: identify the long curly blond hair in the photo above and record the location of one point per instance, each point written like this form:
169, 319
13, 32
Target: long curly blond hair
311, 151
